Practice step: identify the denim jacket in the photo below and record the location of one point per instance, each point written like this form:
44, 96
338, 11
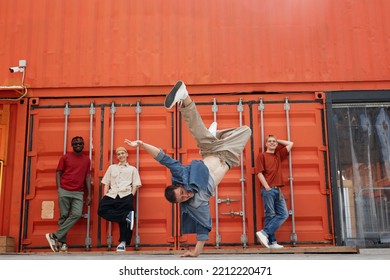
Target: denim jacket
195, 212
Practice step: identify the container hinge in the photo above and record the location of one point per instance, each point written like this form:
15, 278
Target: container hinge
228, 200
233, 213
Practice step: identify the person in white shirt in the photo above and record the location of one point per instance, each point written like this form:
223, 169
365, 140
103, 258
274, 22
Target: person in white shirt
121, 182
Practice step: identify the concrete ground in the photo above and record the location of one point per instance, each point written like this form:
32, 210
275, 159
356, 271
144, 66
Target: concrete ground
360, 254
303, 265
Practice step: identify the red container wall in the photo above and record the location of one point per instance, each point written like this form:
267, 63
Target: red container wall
47, 123
308, 194
103, 52
237, 210
14, 118
140, 46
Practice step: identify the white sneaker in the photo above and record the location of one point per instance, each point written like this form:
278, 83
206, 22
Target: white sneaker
130, 220
121, 248
275, 245
262, 238
177, 94
213, 129
64, 248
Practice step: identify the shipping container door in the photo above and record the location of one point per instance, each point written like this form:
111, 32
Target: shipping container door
228, 206
237, 210
104, 124
49, 122
4, 136
306, 190
148, 120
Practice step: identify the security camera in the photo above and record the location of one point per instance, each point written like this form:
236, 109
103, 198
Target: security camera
20, 68
14, 69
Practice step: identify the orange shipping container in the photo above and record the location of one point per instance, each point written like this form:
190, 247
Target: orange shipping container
136, 47
92, 55
236, 210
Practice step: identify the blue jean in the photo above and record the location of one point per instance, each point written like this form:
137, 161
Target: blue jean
275, 212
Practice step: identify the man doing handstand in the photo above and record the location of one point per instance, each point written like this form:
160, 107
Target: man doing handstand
193, 184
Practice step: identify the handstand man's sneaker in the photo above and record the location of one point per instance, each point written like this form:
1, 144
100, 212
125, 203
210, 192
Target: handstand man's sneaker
213, 129
130, 220
177, 94
52, 242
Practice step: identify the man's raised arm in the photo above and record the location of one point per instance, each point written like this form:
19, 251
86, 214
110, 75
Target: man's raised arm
150, 149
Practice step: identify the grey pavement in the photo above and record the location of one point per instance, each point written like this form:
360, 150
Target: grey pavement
362, 254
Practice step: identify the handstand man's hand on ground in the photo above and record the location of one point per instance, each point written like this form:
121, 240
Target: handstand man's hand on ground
196, 252
190, 254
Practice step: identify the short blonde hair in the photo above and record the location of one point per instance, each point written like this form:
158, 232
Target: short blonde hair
120, 149
270, 136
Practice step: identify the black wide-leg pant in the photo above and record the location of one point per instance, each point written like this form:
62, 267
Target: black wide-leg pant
116, 210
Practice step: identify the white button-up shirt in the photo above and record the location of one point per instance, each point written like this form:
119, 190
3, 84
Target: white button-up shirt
121, 178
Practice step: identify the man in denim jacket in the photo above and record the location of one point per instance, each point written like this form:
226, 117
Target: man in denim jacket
193, 184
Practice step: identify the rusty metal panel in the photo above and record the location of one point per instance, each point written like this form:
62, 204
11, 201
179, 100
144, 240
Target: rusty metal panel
265, 45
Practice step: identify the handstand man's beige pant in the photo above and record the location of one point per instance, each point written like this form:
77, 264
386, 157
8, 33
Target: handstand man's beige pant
228, 143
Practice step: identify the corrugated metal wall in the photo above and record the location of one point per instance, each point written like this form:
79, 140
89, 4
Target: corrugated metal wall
310, 45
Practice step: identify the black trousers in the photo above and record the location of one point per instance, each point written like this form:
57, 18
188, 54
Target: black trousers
116, 210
